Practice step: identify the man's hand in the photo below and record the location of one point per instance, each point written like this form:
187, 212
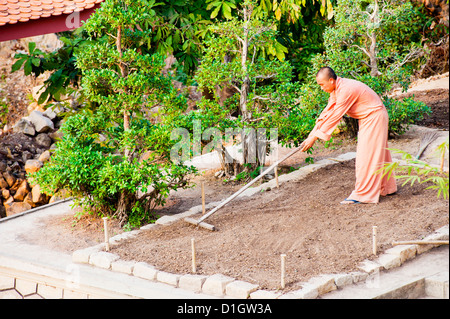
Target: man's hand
308, 143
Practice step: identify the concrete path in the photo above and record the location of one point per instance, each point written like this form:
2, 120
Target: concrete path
425, 276
32, 271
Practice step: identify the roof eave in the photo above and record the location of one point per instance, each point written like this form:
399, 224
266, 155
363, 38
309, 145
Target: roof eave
52, 24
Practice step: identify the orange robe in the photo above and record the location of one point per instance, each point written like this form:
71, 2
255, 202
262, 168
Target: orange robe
357, 100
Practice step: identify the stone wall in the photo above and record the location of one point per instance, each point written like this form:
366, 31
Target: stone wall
24, 149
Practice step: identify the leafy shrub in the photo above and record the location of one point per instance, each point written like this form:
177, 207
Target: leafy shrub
99, 159
64, 77
91, 168
414, 171
378, 44
403, 113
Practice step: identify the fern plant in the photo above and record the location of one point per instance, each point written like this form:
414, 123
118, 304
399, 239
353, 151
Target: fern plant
413, 170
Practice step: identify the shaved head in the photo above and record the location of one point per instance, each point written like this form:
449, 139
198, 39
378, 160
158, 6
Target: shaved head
326, 78
326, 73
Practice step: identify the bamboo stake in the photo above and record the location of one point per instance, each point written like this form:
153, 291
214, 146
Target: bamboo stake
283, 271
276, 176
203, 199
420, 242
105, 227
194, 264
374, 240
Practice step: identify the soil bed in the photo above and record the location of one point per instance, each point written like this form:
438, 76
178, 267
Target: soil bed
438, 101
301, 219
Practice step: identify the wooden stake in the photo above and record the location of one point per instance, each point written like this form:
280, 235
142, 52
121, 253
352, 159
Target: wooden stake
105, 227
276, 176
374, 240
203, 199
194, 264
283, 271
420, 242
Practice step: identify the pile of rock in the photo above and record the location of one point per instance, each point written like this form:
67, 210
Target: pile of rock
24, 150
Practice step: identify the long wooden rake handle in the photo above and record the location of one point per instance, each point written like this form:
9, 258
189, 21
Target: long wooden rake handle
229, 199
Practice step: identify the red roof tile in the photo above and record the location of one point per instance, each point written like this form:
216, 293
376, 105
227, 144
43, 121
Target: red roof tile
13, 11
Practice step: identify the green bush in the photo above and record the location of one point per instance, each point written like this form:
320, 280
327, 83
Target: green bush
377, 43
96, 174
413, 170
403, 113
99, 159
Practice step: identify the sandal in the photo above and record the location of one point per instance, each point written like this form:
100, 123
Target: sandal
350, 201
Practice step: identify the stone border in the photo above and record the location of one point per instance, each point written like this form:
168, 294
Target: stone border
4, 219
223, 286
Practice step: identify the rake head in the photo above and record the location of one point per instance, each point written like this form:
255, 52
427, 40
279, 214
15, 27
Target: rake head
200, 224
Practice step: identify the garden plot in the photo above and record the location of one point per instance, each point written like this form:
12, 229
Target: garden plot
302, 219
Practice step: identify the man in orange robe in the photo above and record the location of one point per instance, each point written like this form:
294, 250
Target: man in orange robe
357, 100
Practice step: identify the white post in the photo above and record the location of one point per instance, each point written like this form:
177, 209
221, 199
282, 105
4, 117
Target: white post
374, 240
276, 176
283, 271
194, 266
203, 199
105, 226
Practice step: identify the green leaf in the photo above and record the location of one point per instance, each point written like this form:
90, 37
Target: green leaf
36, 62
28, 67
43, 97
215, 12
213, 4
226, 10
17, 65
31, 47
65, 41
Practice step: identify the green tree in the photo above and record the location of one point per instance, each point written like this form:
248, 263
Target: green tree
182, 27
376, 42
100, 158
299, 25
236, 59
64, 77
381, 35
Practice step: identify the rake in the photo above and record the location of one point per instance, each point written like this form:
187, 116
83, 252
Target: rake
202, 224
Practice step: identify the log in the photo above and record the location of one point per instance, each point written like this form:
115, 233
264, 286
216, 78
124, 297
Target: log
276, 177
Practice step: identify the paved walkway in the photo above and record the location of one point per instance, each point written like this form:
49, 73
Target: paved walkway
425, 276
32, 271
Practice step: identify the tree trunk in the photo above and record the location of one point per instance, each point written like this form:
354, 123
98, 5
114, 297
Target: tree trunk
352, 126
246, 81
123, 74
227, 165
373, 56
375, 19
122, 205
245, 137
